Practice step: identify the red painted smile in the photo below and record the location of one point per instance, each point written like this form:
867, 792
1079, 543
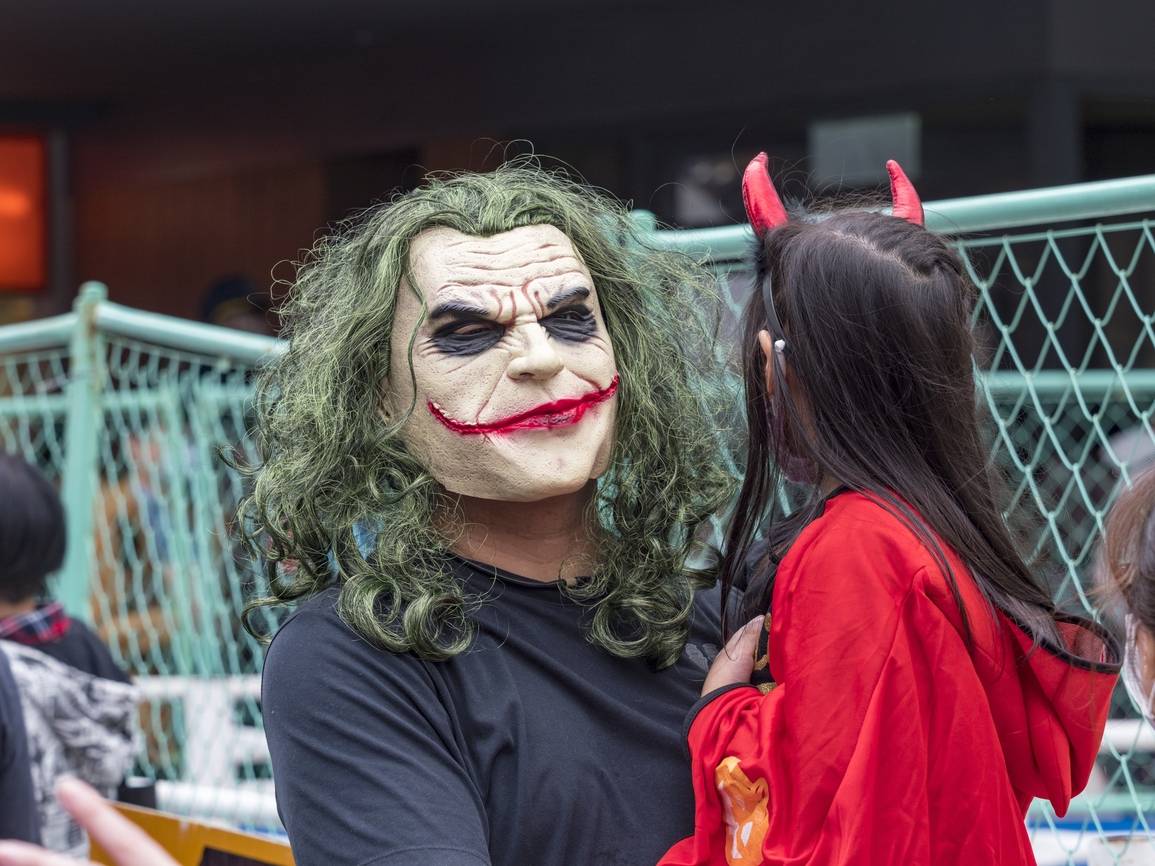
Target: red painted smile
559, 413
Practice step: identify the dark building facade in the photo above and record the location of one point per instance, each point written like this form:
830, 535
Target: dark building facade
195, 138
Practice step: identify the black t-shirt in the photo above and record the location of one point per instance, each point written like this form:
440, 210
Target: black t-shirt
18, 816
533, 748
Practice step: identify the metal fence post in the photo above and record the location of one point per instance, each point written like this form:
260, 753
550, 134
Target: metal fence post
81, 440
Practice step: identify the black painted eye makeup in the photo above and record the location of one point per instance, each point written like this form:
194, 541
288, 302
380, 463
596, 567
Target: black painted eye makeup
467, 337
467, 331
573, 324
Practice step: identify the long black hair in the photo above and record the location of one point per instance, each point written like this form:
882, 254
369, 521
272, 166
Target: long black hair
876, 317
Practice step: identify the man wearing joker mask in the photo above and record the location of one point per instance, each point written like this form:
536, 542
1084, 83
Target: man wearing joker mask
486, 456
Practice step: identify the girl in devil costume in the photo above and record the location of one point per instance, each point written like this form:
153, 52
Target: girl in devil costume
927, 688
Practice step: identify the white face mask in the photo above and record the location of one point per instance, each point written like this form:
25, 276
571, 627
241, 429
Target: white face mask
514, 378
1141, 691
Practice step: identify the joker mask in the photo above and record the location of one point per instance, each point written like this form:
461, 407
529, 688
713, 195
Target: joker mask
514, 380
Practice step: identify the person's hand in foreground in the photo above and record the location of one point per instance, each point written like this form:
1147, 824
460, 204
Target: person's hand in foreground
734, 664
125, 843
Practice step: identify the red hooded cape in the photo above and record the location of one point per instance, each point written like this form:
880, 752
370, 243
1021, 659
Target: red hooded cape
889, 739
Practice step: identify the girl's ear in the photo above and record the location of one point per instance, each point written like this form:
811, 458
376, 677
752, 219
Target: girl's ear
767, 344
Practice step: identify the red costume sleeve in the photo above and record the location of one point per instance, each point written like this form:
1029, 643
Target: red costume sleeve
877, 732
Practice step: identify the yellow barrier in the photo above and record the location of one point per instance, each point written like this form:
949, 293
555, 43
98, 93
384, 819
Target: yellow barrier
193, 844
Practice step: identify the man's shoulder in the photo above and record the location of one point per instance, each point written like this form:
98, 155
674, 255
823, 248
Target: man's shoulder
314, 644
320, 607
317, 639
315, 619
318, 669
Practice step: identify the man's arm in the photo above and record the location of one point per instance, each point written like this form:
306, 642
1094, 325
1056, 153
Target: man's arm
367, 767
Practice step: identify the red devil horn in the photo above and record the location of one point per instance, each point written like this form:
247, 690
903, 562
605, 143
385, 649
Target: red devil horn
763, 207
907, 204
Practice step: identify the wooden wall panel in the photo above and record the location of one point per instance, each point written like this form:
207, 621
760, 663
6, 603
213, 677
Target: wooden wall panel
160, 244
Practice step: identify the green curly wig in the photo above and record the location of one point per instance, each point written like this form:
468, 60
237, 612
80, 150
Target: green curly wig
331, 465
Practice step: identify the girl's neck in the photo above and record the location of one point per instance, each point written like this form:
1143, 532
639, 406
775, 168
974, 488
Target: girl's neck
547, 540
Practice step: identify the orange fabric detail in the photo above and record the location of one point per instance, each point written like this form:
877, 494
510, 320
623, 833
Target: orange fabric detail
745, 809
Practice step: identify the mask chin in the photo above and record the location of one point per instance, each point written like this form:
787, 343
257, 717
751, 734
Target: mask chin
1141, 694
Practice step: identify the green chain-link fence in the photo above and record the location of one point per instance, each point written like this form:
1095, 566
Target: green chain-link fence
128, 411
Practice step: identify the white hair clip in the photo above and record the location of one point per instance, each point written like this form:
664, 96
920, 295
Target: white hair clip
780, 347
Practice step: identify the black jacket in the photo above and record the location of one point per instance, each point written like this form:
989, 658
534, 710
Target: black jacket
18, 816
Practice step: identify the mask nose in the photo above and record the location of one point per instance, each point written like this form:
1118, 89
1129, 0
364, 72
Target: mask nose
537, 359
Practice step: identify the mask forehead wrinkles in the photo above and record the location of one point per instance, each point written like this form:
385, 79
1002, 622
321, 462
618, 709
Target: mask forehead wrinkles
517, 274
513, 274
476, 254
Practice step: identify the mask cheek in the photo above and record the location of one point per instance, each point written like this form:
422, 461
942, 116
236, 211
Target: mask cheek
400, 404
606, 447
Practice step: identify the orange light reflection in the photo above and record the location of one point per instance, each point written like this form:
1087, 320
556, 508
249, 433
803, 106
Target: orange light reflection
22, 214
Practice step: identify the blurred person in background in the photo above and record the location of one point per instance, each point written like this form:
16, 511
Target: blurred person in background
79, 706
234, 302
1127, 575
1126, 578
19, 817
133, 545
